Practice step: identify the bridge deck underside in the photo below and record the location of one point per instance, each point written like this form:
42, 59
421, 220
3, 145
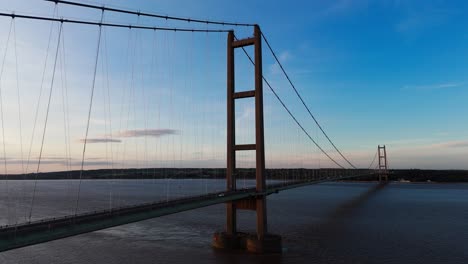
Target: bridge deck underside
31, 233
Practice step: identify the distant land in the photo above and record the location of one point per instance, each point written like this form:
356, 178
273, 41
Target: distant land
411, 175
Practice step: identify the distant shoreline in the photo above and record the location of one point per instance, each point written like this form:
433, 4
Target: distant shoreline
403, 176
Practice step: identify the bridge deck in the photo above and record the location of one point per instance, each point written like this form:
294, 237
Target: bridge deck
36, 232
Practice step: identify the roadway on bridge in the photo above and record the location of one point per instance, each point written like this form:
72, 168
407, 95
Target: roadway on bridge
30, 233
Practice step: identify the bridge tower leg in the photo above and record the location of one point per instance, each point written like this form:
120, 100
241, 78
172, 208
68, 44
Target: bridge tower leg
262, 242
383, 166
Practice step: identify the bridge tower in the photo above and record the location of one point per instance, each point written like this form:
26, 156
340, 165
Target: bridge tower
383, 169
262, 242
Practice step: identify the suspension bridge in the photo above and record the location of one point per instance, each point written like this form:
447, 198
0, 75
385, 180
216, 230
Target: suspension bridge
273, 169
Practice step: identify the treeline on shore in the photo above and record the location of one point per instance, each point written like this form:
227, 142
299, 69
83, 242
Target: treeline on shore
412, 175
416, 175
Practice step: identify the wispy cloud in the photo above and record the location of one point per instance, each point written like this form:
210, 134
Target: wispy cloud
446, 85
98, 121
341, 6
100, 140
338, 8
64, 162
421, 17
146, 132
283, 57
427, 144
409, 141
451, 144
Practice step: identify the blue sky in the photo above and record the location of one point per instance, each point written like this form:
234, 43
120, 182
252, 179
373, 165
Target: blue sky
373, 72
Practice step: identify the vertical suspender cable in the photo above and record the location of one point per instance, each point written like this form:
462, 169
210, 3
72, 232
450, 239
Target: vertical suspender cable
3, 125
202, 134
18, 96
166, 162
67, 111
190, 80
130, 96
171, 109
19, 107
106, 60
152, 78
66, 122
39, 101
107, 132
122, 110
89, 115
133, 97
46, 119
145, 116
40, 94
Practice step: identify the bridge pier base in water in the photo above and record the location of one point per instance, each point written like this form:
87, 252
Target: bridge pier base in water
269, 244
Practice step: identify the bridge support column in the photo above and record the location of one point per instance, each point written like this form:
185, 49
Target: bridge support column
383, 166
262, 242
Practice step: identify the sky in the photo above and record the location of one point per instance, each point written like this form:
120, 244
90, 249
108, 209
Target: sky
373, 73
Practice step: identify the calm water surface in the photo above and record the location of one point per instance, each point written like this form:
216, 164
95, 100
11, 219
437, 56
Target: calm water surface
325, 223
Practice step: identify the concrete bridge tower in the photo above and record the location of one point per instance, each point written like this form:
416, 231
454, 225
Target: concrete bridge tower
383, 165
262, 241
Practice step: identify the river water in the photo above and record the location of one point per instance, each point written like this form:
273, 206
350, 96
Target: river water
324, 223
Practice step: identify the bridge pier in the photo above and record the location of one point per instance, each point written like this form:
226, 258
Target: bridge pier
383, 168
269, 244
231, 239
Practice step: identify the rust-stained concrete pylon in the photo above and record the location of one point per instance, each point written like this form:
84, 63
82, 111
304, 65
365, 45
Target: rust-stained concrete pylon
383, 165
262, 242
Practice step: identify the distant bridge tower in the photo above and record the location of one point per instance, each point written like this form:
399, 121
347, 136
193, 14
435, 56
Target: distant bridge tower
262, 242
383, 165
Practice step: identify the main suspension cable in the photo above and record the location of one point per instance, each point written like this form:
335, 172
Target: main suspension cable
302, 100
373, 160
138, 13
291, 114
94, 23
